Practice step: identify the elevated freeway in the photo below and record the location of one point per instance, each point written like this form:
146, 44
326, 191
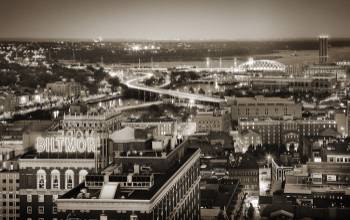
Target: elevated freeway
134, 84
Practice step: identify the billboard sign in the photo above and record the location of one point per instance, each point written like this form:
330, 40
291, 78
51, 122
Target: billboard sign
69, 142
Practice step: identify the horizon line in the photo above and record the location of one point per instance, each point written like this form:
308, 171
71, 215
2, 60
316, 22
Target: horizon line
109, 40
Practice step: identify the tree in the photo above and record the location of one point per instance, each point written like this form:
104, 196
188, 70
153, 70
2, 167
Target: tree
250, 211
201, 91
115, 82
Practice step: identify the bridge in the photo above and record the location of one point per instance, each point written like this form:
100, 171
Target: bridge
138, 106
133, 84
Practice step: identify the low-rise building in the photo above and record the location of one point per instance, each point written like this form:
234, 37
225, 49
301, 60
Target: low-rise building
263, 107
247, 172
218, 120
219, 198
288, 132
7, 102
64, 89
314, 84
162, 127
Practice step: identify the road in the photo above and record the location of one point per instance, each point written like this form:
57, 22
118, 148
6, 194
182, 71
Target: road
143, 105
133, 84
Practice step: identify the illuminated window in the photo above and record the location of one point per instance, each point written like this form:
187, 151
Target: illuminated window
29, 198
55, 179
41, 198
82, 175
41, 209
41, 179
54, 197
69, 179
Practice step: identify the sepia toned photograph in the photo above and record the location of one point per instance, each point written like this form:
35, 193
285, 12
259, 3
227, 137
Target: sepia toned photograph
174, 109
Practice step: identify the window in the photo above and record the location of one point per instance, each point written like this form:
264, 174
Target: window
82, 175
41, 209
54, 210
55, 179
29, 198
41, 179
40, 198
29, 210
69, 179
54, 197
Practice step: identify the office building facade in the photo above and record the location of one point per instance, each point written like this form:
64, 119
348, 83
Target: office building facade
323, 49
263, 107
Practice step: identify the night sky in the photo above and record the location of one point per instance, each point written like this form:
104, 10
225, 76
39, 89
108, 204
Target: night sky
174, 19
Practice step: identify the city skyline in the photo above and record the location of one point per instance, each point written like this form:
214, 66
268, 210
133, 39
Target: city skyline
174, 20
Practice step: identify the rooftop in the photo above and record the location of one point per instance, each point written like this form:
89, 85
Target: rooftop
309, 189
218, 193
338, 148
260, 99
130, 189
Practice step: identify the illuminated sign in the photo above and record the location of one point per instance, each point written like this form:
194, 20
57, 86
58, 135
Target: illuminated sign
70, 142
316, 178
331, 178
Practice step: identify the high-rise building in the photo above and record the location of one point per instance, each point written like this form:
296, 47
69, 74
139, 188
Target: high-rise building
9, 184
323, 49
59, 163
348, 116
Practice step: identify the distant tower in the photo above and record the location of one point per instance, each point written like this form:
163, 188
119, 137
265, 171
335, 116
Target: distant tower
220, 63
323, 49
208, 62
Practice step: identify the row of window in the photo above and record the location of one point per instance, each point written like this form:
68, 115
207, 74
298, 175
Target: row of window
339, 159
55, 179
41, 210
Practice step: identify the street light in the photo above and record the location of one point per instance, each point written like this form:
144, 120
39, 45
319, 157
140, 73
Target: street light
268, 160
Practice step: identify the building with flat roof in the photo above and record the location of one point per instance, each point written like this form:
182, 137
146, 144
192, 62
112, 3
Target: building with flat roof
287, 131
219, 198
139, 186
218, 120
9, 184
9, 194
162, 127
43, 179
323, 49
319, 185
316, 84
65, 89
263, 107
99, 122
247, 173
